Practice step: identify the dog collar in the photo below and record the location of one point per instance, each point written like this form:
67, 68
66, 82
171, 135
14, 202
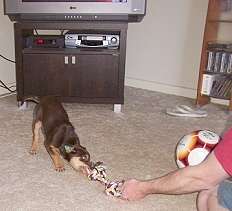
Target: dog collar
68, 148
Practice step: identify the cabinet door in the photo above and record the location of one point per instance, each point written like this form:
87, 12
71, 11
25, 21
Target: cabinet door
98, 74
45, 74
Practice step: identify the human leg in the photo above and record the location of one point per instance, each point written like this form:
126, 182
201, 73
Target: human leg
216, 199
224, 194
202, 200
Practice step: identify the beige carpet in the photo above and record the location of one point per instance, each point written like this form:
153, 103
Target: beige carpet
138, 143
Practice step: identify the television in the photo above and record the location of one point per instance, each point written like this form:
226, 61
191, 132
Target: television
75, 10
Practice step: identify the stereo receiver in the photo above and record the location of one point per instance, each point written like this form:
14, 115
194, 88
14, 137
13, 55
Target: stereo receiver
45, 41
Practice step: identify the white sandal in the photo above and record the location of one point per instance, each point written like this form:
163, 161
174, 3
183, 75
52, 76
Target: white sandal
185, 111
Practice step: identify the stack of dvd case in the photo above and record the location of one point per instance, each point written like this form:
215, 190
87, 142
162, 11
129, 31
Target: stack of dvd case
219, 58
221, 87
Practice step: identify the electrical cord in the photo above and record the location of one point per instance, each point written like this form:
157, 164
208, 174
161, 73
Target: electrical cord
2, 84
9, 60
61, 32
36, 32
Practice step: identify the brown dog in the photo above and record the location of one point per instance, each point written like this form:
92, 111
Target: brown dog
60, 138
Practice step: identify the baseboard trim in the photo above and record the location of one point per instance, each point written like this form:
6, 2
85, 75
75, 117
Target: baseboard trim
160, 87
168, 89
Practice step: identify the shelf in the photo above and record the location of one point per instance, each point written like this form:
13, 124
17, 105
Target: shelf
219, 97
214, 18
220, 21
71, 51
218, 73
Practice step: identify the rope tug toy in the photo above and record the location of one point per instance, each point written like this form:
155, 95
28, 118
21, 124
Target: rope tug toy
98, 173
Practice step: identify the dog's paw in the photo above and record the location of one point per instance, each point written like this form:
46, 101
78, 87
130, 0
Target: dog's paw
60, 168
33, 152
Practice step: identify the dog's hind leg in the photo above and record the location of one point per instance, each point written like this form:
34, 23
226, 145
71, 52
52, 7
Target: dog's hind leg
54, 152
36, 127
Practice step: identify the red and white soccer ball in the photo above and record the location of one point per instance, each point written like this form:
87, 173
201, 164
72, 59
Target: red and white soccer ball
193, 148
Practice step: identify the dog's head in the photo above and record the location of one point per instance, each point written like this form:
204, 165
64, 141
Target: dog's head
79, 152
78, 156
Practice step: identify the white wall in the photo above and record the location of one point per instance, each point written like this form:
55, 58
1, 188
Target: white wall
163, 51
7, 69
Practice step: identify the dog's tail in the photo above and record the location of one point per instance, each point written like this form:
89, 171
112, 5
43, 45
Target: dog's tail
32, 99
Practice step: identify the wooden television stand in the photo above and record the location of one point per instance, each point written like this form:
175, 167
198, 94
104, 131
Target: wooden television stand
84, 75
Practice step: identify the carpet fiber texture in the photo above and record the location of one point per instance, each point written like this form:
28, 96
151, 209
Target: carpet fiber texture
138, 143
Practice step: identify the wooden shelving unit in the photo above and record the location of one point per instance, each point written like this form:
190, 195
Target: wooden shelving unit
213, 21
89, 75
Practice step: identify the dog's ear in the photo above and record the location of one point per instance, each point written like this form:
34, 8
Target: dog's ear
69, 148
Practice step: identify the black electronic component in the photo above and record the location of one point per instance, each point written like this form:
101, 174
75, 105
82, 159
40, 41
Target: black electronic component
44, 41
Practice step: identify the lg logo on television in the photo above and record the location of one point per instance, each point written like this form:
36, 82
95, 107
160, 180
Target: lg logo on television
72, 8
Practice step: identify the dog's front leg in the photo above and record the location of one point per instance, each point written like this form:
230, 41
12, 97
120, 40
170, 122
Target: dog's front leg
54, 152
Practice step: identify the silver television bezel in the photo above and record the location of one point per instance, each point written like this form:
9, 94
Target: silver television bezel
132, 7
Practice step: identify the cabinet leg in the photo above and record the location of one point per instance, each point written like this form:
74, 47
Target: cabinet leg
202, 100
230, 104
22, 105
117, 108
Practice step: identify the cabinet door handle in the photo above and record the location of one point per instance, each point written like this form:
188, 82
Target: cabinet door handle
73, 60
66, 59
